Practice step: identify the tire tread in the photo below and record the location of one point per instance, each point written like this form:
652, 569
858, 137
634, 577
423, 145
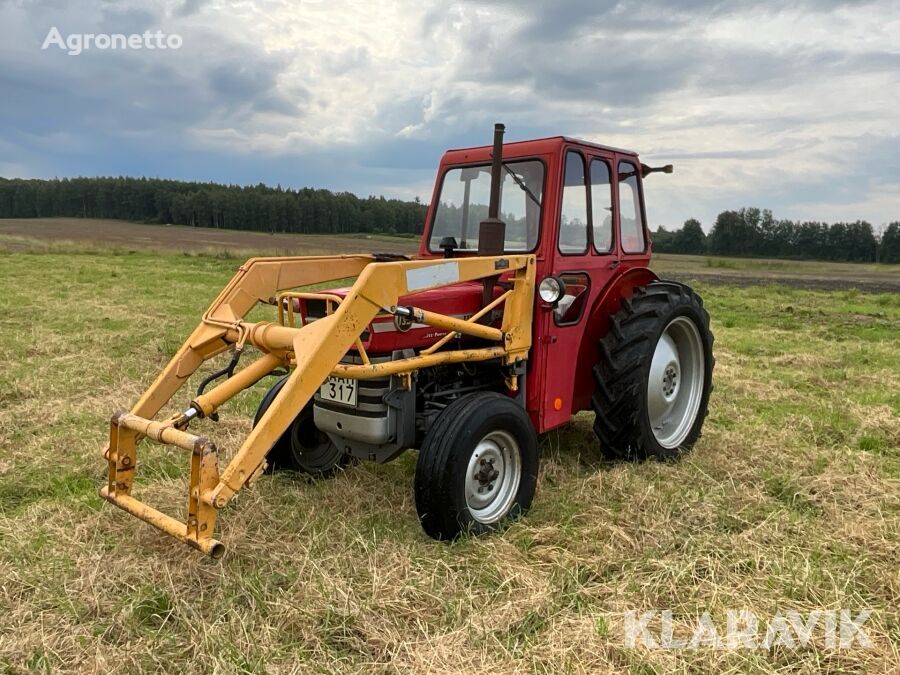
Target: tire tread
624, 356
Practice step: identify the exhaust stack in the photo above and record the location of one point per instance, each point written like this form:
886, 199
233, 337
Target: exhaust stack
492, 230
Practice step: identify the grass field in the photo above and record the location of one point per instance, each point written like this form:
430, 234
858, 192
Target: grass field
791, 500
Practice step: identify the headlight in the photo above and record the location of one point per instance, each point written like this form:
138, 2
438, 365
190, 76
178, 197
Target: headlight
551, 290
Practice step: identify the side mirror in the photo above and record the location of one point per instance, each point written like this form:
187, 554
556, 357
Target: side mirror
647, 170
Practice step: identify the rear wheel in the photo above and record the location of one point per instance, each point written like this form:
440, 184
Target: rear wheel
654, 376
477, 468
303, 447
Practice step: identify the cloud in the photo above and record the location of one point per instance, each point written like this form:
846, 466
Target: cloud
189, 7
777, 104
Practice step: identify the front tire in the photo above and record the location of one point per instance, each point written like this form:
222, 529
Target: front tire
654, 376
303, 447
477, 468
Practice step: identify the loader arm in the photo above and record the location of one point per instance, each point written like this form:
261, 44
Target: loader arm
313, 351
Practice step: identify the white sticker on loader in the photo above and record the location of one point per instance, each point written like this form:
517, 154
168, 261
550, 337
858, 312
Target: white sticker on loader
432, 275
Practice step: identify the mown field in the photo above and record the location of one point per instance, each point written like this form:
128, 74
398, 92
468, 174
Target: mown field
791, 500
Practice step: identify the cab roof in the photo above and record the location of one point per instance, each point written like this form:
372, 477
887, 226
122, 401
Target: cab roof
532, 146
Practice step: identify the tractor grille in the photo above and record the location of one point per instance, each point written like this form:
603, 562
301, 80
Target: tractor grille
371, 422
370, 399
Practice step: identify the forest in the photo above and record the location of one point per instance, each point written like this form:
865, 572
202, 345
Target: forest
756, 233
750, 232
258, 208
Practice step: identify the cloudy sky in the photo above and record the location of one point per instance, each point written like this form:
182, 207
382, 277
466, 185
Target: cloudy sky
789, 105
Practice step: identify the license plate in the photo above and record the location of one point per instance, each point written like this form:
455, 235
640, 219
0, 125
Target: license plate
339, 390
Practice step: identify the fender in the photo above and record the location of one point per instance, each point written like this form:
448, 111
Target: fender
608, 302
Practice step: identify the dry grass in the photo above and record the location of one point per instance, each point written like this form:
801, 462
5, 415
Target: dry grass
789, 501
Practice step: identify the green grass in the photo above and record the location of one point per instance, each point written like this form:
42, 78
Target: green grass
789, 500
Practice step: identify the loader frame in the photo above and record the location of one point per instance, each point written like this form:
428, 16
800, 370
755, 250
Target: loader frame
313, 352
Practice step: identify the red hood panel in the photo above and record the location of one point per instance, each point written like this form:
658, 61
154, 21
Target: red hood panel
459, 300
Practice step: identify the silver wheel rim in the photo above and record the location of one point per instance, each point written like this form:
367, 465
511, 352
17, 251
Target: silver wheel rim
675, 382
493, 477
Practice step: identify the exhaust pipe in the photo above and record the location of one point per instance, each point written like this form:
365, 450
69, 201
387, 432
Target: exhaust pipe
492, 231
496, 168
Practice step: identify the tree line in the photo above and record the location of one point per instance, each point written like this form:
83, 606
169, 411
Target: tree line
258, 208
756, 233
750, 232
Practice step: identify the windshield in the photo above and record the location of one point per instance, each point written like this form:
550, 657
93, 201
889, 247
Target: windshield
463, 204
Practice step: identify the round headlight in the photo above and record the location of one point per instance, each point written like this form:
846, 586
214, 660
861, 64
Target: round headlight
551, 290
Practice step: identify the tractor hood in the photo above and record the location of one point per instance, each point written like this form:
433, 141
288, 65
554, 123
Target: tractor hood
384, 335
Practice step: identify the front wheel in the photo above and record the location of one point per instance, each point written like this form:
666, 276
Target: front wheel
654, 375
477, 468
303, 447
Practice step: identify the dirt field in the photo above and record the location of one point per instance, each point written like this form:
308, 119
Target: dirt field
79, 234
790, 502
25, 234
809, 274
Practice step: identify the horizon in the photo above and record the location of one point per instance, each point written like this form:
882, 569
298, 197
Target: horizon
877, 228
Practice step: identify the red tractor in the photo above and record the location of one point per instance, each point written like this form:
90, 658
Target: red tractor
530, 300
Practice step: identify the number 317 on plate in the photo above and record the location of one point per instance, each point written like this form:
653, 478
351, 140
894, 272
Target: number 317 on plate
339, 390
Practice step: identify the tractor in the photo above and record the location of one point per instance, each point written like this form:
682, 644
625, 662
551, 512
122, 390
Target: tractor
529, 301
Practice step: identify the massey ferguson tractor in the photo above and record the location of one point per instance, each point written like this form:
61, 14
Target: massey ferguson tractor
530, 300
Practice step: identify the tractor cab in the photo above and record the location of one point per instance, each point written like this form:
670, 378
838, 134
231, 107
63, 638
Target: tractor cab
579, 208
558, 197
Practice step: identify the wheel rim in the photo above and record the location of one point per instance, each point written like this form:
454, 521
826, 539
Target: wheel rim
675, 382
493, 477
312, 449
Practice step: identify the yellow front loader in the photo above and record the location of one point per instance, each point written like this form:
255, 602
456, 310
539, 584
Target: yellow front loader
312, 352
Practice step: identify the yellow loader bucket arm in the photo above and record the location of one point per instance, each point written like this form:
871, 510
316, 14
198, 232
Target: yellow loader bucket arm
313, 351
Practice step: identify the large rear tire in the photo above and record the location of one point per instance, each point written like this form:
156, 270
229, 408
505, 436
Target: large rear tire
477, 468
302, 447
654, 376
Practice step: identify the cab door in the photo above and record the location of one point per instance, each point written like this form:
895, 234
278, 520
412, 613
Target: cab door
585, 257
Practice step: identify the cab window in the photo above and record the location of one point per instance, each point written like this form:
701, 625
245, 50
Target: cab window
464, 198
573, 216
631, 224
601, 205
